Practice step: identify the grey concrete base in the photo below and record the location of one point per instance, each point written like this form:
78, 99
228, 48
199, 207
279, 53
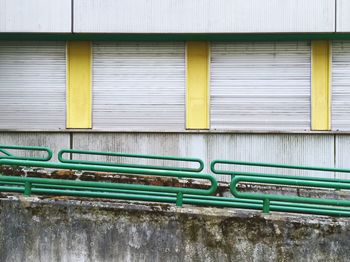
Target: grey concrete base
59, 229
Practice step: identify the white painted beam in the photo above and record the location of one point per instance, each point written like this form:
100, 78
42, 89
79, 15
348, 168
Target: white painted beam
343, 18
204, 16
35, 16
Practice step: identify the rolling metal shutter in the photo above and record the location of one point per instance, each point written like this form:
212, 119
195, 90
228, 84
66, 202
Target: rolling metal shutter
261, 86
32, 85
341, 85
138, 86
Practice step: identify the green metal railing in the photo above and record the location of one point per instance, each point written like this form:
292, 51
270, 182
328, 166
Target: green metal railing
277, 180
272, 201
183, 194
233, 173
178, 160
259, 164
179, 191
8, 155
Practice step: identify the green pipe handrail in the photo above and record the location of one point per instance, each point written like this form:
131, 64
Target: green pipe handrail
61, 187
232, 172
209, 200
286, 180
8, 155
278, 180
5, 152
171, 194
135, 171
139, 156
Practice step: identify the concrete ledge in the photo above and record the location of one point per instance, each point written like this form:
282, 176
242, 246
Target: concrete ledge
61, 229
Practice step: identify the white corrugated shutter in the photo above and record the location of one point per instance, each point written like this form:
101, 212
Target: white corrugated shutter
261, 86
341, 85
138, 86
32, 85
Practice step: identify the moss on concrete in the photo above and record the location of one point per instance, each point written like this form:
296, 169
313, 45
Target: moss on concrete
67, 229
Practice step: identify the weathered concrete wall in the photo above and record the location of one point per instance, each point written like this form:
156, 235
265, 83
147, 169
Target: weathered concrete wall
75, 230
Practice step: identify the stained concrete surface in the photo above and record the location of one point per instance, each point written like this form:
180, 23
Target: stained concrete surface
68, 229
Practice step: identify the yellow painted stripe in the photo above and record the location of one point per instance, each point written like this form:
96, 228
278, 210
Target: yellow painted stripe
78, 84
197, 100
321, 75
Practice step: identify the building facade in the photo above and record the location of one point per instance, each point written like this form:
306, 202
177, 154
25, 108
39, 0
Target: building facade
253, 80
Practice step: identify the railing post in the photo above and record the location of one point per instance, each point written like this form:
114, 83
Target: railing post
266, 206
179, 199
27, 188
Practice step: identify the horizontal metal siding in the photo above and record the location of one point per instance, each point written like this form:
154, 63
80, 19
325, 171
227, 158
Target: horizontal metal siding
341, 85
203, 16
42, 16
138, 86
260, 86
32, 85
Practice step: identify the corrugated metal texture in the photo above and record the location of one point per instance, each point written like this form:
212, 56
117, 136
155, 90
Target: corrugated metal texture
342, 154
55, 141
44, 16
317, 150
312, 150
342, 16
260, 86
139, 143
341, 85
138, 86
203, 16
32, 85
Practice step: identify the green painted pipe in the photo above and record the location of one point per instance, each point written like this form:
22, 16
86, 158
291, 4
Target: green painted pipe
211, 190
178, 195
138, 156
103, 185
289, 182
188, 196
48, 151
234, 173
189, 199
160, 37
5, 153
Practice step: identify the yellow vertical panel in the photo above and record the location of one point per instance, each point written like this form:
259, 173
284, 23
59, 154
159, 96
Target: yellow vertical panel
320, 94
79, 84
197, 100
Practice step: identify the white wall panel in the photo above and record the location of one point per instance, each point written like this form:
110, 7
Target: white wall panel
260, 86
55, 141
312, 150
341, 85
342, 154
32, 85
343, 18
138, 86
35, 16
203, 16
